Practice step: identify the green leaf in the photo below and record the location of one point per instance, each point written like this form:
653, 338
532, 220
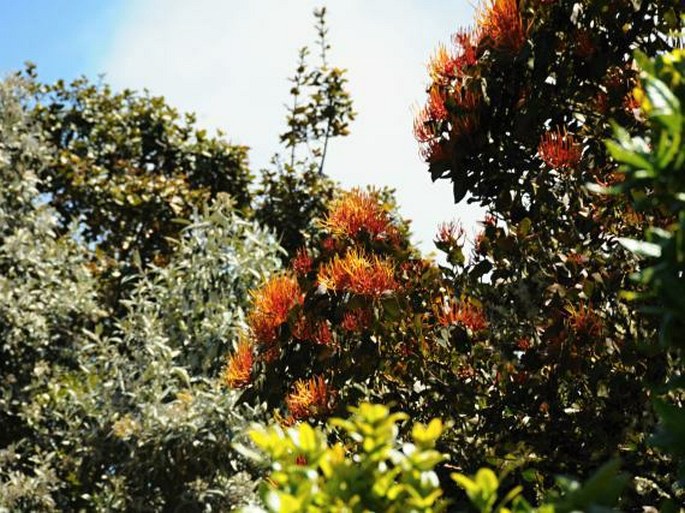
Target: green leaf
640, 247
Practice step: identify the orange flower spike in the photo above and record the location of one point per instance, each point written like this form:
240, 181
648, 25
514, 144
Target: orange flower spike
467, 42
312, 398
501, 25
238, 370
423, 130
559, 149
271, 305
450, 234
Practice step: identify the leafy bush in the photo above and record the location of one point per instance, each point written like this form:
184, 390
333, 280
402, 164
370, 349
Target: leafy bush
47, 295
371, 471
351, 317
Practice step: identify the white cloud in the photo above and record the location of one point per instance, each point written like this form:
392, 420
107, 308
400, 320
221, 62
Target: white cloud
228, 61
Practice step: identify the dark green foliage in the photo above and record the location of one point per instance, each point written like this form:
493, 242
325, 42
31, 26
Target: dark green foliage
291, 199
126, 167
654, 166
559, 379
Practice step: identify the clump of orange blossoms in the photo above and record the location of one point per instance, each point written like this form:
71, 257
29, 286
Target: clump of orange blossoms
443, 65
559, 149
357, 211
238, 370
271, 305
501, 25
359, 274
312, 398
465, 314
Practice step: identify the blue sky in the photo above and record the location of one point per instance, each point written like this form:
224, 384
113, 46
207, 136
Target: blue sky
66, 38
228, 61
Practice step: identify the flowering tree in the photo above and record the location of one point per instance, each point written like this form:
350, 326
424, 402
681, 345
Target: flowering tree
516, 115
348, 318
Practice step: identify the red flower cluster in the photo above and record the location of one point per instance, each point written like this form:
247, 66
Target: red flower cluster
356, 320
559, 149
450, 234
302, 263
271, 305
466, 42
318, 331
584, 321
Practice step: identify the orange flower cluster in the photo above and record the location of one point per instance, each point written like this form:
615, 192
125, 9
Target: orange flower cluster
357, 211
442, 66
501, 25
585, 322
238, 370
312, 398
450, 87
359, 274
465, 314
271, 305
436, 105
559, 149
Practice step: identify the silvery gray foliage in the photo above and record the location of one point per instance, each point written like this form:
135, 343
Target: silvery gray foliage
47, 301
199, 298
123, 415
